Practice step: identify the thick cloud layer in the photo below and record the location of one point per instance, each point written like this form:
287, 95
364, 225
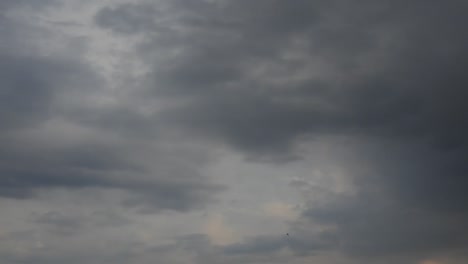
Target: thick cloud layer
54, 135
304, 68
129, 103
262, 76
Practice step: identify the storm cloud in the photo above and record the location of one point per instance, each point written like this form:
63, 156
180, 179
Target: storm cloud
189, 118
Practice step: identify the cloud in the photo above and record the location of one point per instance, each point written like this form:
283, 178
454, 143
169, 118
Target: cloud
57, 133
389, 81
237, 58
383, 80
127, 18
280, 210
218, 231
429, 262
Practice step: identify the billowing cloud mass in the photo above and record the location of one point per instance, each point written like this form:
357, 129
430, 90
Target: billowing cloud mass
233, 131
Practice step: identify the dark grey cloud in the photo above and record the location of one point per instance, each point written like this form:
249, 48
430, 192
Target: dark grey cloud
102, 166
260, 77
264, 76
408, 203
381, 228
263, 249
232, 40
68, 224
299, 244
46, 97
8, 4
202, 250
128, 18
30, 85
60, 223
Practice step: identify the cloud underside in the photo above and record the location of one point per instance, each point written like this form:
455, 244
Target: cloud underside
262, 79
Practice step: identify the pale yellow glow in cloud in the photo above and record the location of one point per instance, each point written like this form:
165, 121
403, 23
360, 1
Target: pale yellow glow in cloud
218, 231
430, 262
280, 210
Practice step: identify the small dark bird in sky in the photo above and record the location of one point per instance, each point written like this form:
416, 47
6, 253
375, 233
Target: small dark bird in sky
287, 234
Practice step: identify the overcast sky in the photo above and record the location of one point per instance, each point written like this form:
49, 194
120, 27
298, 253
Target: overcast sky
205, 131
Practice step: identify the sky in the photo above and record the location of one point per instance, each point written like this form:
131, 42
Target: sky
233, 131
